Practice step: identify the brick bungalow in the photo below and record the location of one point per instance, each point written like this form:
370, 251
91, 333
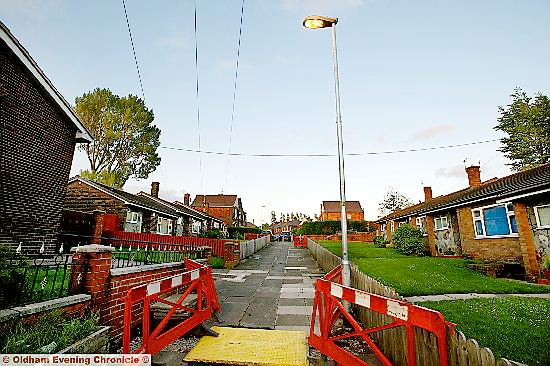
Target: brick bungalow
38, 134
504, 220
228, 208
331, 211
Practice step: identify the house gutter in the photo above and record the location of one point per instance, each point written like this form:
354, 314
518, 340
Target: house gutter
523, 195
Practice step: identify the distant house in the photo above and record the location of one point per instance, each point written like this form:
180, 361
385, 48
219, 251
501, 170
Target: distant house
142, 212
228, 208
331, 211
38, 134
506, 219
136, 213
279, 227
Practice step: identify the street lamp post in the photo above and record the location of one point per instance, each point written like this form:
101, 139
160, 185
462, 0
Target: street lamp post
316, 22
261, 217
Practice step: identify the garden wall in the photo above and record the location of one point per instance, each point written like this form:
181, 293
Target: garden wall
460, 350
363, 237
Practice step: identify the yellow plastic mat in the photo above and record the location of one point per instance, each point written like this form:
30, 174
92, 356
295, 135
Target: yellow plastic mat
258, 347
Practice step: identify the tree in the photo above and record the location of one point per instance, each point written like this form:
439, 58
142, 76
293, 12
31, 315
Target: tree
393, 200
125, 141
526, 121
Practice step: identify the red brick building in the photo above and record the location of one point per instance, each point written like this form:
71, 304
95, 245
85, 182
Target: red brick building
228, 208
506, 219
38, 134
331, 211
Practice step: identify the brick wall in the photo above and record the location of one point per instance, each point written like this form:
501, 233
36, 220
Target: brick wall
489, 248
222, 213
361, 237
335, 216
36, 151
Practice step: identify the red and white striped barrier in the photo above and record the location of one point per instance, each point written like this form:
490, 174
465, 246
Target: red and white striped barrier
198, 279
328, 307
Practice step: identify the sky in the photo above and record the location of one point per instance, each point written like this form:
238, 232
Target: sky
413, 75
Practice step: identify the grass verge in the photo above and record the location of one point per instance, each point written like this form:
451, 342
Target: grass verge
416, 276
512, 327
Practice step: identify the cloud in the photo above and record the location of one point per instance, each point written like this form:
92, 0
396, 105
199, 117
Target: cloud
456, 171
431, 132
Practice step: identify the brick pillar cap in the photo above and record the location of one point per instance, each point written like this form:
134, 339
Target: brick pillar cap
92, 248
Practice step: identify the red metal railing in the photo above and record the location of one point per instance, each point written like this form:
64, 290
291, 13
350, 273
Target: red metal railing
166, 242
197, 280
329, 306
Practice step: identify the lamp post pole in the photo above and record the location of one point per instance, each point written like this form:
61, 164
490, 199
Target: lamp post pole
315, 22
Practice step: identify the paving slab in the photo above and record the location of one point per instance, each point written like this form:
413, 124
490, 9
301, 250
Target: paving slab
297, 310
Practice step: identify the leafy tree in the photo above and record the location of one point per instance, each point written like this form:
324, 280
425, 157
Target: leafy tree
125, 140
393, 200
526, 121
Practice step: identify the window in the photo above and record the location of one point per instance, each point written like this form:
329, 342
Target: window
542, 214
164, 226
441, 223
196, 228
133, 216
496, 220
383, 227
421, 224
401, 223
392, 227
348, 216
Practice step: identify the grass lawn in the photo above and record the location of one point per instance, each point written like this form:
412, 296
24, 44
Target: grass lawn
512, 327
411, 276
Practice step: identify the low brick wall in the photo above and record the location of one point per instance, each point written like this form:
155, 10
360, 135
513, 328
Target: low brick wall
362, 237
91, 273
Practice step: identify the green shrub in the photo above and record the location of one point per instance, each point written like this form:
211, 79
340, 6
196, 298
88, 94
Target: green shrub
380, 241
408, 240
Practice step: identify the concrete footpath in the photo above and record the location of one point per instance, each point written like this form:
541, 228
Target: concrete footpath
272, 289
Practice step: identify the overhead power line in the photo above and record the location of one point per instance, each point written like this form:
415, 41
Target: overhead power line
329, 155
133, 49
234, 94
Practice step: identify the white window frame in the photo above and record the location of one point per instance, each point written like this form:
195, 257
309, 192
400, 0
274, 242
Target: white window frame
133, 217
392, 227
481, 218
440, 219
383, 228
160, 222
401, 223
539, 226
419, 225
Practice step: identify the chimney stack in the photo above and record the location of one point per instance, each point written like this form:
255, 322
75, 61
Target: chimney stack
186, 199
427, 193
474, 177
155, 189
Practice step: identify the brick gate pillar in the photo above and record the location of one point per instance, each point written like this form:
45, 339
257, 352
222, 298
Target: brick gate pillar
90, 272
526, 242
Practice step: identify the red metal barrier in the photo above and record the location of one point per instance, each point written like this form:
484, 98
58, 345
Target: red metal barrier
198, 279
328, 308
300, 241
166, 242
